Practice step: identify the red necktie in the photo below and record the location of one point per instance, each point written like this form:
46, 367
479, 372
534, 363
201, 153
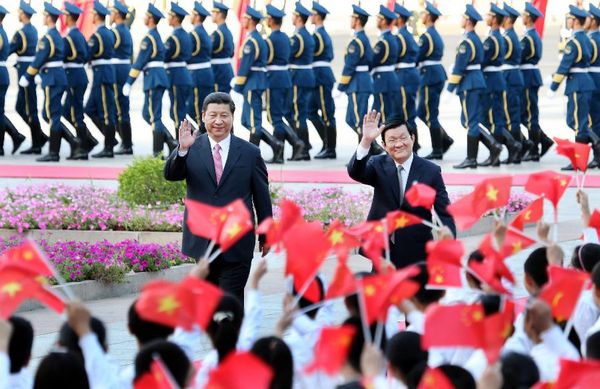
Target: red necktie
218, 162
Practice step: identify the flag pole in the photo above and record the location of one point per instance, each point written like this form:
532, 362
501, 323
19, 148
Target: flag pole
436, 217
215, 255
386, 240
363, 313
209, 249
378, 333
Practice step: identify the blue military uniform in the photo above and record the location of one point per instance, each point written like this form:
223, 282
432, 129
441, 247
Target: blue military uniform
356, 81
6, 125
406, 71
203, 79
150, 60
222, 52
178, 51
383, 69
512, 75
123, 54
321, 98
594, 71
24, 43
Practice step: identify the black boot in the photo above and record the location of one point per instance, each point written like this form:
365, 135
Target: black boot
91, 141
2, 131
514, 148
53, 152
16, 136
416, 145
109, 143
322, 131
254, 139
472, 147
447, 141
38, 138
298, 146
301, 155
275, 144
595, 140
158, 141
527, 146
77, 150
545, 141
493, 147
126, 144
436, 144
534, 151
171, 142
330, 140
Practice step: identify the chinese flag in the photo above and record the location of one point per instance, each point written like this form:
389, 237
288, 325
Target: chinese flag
332, 349
400, 219
443, 275
464, 212
444, 262
533, 213
163, 302
28, 257
237, 224
203, 297
514, 242
595, 221
159, 377
373, 239
276, 229
341, 240
458, 325
578, 374
497, 328
307, 247
492, 193
204, 220
435, 379
420, 195
539, 23
549, 184
450, 251
343, 284
578, 153
241, 370
493, 269
563, 290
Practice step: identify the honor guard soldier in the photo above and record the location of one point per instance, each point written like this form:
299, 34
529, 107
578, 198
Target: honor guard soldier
279, 80
433, 78
100, 106
203, 80
178, 51
76, 54
468, 82
222, 49
383, 66
406, 71
150, 60
6, 125
531, 53
122, 65
322, 98
48, 63
24, 44
356, 80
574, 67
594, 71
251, 81
303, 78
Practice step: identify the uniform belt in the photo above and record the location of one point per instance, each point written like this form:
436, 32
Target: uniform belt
220, 61
383, 69
275, 68
578, 70
509, 67
429, 63
405, 65
98, 62
73, 65
180, 64
2, 63
52, 64
198, 66
154, 64
488, 69
594, 69
258, 69
362, 68
528, 66
300, 67
120, 61
321, 64
474, 67
25, 59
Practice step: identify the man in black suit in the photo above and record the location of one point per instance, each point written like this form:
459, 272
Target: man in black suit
391, 175
218, 168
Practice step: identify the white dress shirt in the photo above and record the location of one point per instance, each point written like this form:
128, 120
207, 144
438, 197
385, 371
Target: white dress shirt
547, 354
225, 143
362, 152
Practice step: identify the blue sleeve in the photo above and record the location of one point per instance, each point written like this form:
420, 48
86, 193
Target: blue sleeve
218, 41
93, 47
41, 57
170, 47
16, 44
381, 52
570, 55
353, 55
425, 42
246, 61
142, 59
297, 46
463, 58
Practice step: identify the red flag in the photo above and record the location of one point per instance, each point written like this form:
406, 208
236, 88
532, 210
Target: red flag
307, 247
204, 297
539, 23
435, 379
159, 377
276, 229
578, 153
237, 224
464, 213
595, 221
241, 370
578, 374
420, 195
344, 283
563, 290
492, 193
444, 262
400, 219
514, 242
492, 269
372, 235
497, 328
453, 326
332, 349
342, 241
450, 251
27, 257
531, 214
549, 184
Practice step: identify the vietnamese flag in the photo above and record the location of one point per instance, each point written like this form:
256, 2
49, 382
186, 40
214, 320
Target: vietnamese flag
578, 153
164, 303
458, 325
578, 374
159, 377
563, 290
531, 214
331, 350
549, 184
342, 241
450, 251
343, 283
464, 212
373, 239
434, 378
28, 257
492, 193
400, 219
274, 230
514, 243
444, 262
236, 225
204, 297
241, 370
420, 195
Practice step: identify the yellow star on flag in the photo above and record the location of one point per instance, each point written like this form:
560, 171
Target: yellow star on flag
438, 279
379, 228
27, 255
556, 299
506, 331
492, 193
517, 246
12, 288
401, 222
563, 182
168, 304
336, 237
370, 290
345, 341
527, 215
234, 230
477, 316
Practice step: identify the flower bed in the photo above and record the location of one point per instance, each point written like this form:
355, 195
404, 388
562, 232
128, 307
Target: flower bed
104, 261
516, 202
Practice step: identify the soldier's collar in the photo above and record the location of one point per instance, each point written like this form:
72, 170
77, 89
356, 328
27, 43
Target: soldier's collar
384, 31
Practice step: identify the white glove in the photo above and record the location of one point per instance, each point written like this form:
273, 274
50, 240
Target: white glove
37, 79
23, 83
126, 90
550, 93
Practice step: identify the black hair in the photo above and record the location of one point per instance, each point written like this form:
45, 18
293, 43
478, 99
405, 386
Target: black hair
61, 370
171, 355
276, 353
388, 21
323, 16
512, 18
533, 17
426, 296
74, 16
20, 344
434, 17
362, 19
592, 346
519, 371
218, 98
358, 341
277, 21
179, 17
155, 18
473, 21
414, 376
596, 276
586, 256
2, 17
405, 18
395, 123
54, 18
536, 266
476, 256
304, 302
303, 17
491, 303
223, 11
499, 19
224, 327
123, 15
458, 376
580, 20
404, 352
144, 330
68, 339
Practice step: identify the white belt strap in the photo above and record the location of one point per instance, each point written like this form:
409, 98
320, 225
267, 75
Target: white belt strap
25, 59
405, 65
98, 62
181, 64
120, 61
594, 69
429, 63
474, 67
383, 69
2, 63
509, 67
528, 66
73, 65
198, 66
154, 64
220, 61
53, 64
489, 69
362, 68
578, 70
275, 68
258, 69
321, 64
300, 67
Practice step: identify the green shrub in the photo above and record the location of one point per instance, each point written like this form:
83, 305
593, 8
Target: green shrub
142, 183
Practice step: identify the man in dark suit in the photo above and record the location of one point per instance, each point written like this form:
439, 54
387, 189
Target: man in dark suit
391, 175
218, 168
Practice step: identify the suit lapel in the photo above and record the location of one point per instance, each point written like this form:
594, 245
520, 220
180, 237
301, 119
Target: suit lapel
389, 166
414, 175
207, 158
232, 157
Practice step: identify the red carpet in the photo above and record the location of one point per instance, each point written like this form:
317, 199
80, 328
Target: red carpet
276, 175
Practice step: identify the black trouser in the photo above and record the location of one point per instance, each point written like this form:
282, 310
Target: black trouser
230, 276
